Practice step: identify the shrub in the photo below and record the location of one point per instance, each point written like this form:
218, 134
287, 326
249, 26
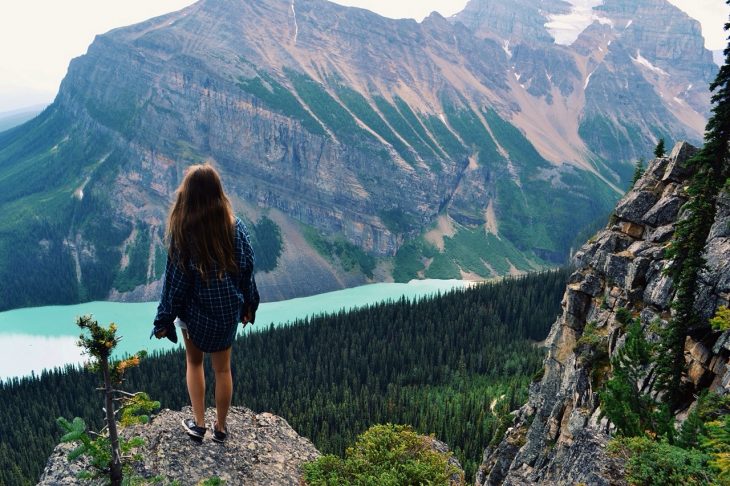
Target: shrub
721, 321
384, 455
659, 463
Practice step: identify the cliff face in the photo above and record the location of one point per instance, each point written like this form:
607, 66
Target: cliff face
465, 148
557, 437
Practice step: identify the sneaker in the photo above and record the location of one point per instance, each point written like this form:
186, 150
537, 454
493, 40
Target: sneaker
192, 429
219, 435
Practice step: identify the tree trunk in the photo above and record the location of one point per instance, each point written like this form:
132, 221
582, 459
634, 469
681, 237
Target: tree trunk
115, 468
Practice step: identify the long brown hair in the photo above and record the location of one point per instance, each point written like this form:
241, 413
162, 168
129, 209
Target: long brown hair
201, 223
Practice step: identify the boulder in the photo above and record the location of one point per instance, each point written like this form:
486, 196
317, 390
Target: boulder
664, 211
635, 205
661, 234
677, 169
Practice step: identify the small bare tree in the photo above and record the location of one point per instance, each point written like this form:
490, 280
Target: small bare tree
99, 342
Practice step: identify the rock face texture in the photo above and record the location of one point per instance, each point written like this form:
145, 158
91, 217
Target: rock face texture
262, 449
347, 126
557, 437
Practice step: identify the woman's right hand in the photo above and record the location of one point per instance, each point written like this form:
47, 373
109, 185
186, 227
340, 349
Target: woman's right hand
249, 315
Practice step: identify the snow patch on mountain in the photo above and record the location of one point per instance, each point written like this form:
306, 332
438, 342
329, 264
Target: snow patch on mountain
566, 28
647, 64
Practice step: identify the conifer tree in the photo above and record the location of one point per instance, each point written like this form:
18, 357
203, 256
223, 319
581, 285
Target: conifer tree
638, 171
99, 343
659, 150
711, 169
622, 400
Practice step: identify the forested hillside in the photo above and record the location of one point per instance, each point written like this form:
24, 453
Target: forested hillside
453, 365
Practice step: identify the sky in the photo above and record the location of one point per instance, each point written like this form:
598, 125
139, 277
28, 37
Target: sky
38, 38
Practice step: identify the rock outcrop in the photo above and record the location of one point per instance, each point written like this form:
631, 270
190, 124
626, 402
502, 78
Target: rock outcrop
558, 437
262, 449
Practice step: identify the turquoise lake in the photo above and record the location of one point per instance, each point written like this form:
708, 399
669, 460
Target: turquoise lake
38, 338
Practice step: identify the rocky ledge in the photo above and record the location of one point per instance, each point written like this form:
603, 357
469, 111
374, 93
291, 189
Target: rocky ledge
262, 449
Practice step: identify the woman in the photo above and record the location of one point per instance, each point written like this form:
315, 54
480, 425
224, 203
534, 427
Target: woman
208, 288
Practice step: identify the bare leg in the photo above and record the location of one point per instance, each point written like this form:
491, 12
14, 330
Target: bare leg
195, 378
223, 385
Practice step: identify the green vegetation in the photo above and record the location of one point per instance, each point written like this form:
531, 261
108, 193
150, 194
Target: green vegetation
436, 364
342, 252
106, 449
721, 321
40, 212
638, 171
514, 142
472, 131
117, 111
267, 243
470, 249
475, 250
699, 455
592, 346
412, 120
361, 108
656, 453
446, 139
388, 455
443, 267
396, 220
630, 408
138, 254
711, 168
544, 205
409, 259
280, 99
160, 261
333, 114
413, 134
652, 463
659, 150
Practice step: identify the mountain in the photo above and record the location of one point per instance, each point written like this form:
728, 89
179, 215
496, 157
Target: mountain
357, 147
560, 435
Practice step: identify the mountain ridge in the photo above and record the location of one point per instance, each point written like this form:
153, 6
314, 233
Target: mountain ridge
367, 130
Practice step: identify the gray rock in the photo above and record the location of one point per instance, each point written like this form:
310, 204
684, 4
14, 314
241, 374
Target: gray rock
661, 234
677, 169
664, 211
655, 171
262, 449
722, 344
576, 306
659, 290
636, 276
713, 288
721, 227
635, 205
616, 269
589, 283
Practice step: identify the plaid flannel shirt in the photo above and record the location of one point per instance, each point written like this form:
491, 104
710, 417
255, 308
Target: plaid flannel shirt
213, 309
